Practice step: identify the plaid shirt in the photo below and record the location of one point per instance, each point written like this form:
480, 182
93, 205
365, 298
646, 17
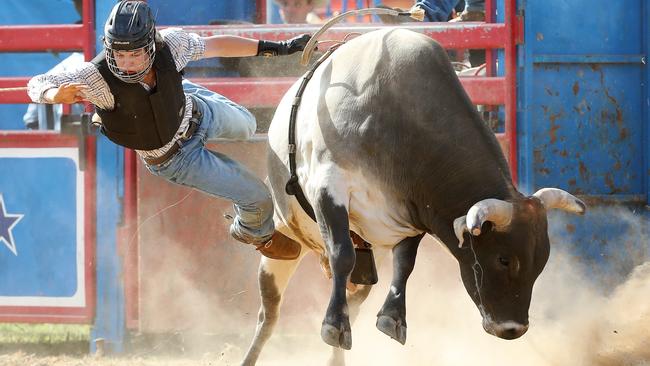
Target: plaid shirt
184, 47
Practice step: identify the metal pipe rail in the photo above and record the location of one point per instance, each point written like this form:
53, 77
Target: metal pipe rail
52, 37
266, 92
449, 35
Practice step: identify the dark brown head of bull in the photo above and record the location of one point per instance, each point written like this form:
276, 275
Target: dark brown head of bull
505, 246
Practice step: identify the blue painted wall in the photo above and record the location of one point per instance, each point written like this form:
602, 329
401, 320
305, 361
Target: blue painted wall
583, 125
583, 111
45, 237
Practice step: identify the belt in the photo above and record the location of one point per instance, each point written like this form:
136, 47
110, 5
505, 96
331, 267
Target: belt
195, 122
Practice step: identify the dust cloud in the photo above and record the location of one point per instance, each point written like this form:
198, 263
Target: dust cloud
572, 322
574, 319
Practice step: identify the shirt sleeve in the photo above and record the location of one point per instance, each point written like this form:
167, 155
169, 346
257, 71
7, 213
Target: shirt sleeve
98, 92
184, 46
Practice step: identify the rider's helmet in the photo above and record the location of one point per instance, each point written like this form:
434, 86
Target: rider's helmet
130, 27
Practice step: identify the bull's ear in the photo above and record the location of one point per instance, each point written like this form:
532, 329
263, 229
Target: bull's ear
460, 227
557, 198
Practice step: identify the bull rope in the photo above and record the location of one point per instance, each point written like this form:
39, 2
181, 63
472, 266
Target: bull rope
415, 12
292, 187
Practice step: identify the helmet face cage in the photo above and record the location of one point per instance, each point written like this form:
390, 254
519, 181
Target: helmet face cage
148, 51
130, 27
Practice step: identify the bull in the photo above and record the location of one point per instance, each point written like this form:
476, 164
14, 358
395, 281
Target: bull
390, 147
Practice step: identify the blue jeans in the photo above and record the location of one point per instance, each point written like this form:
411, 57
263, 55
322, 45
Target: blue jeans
216, 174
437, 10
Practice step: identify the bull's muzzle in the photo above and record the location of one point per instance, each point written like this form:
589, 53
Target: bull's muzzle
505, 330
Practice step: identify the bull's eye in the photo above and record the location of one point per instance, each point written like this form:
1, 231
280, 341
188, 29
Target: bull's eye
504, 261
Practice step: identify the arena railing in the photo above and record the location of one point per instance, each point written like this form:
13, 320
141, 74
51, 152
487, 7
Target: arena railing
266, 92
489, 90
45, 38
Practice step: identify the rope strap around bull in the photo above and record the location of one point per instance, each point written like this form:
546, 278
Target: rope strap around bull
293, 186
416, 13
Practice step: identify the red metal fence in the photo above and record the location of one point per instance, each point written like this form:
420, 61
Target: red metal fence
266, 92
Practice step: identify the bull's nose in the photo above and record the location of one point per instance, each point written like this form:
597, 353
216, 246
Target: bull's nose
510, 330
505, 330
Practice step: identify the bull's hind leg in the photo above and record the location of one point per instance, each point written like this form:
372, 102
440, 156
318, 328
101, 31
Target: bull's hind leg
391, 319
273, 276
332, 216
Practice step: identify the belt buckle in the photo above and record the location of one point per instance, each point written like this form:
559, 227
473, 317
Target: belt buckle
186, 135
191, 128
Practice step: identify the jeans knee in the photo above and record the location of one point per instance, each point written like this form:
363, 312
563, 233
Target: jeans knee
264, 203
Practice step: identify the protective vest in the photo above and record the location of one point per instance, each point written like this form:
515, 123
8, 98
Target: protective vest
141, 119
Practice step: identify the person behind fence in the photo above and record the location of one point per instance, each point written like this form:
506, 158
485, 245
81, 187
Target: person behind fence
137, 87
474, 11
436, 10
442, 10
298, 11
38, 116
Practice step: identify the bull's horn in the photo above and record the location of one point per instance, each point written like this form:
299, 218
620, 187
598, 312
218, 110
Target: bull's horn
496, 211
460, 227
557, 198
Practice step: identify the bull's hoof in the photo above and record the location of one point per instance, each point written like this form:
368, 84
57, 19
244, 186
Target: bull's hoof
392, 328
336, 337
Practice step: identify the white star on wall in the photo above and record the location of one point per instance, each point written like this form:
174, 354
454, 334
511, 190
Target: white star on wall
7, 222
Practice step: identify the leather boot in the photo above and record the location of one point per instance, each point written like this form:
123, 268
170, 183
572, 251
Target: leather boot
280, 247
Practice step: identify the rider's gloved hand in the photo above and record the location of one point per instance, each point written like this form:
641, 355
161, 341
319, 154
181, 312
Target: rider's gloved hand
271, 48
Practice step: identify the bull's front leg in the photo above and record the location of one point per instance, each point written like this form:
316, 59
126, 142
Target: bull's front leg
391, 319
332, 219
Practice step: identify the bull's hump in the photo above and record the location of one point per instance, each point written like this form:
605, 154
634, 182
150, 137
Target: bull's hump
361, 59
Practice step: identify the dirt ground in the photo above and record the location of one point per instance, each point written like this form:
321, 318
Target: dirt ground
22, 359
573, 323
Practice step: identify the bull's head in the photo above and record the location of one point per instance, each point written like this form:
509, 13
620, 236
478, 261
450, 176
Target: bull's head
506, 247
